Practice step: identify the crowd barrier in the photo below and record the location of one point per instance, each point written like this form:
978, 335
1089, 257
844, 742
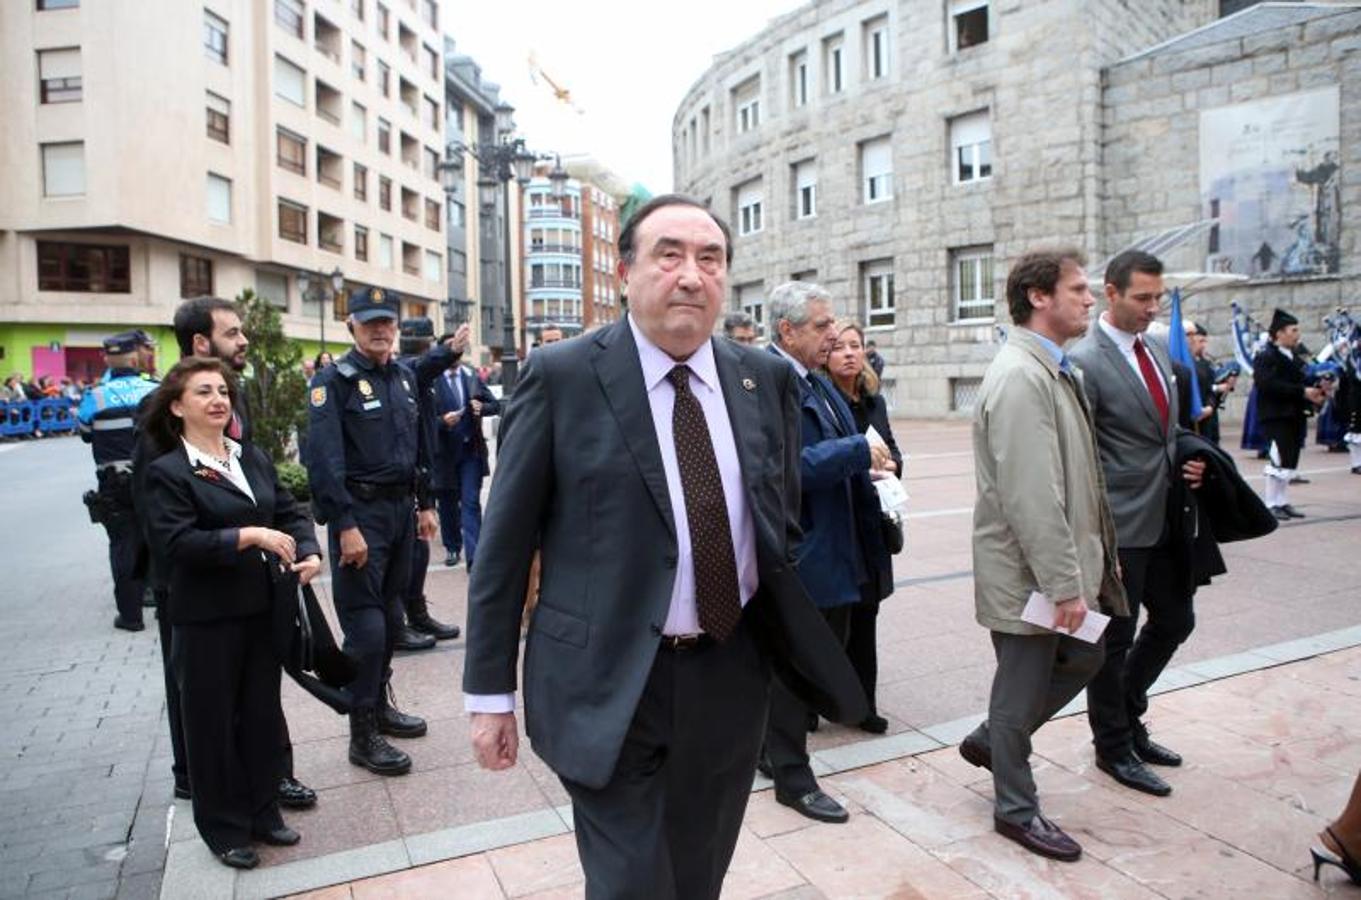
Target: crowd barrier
26, 418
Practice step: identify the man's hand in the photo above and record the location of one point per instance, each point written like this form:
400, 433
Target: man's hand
1193, 470
427, 526
476, 406
495, 739
307, 568
1068, 615
354, 550
880, 458
459, 342
1314, 395
451, 417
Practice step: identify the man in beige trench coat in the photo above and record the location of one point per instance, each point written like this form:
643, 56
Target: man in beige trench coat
1041, 523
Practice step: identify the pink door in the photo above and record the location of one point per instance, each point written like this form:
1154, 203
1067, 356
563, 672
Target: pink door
47, 361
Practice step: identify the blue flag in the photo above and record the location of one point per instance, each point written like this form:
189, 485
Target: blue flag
1181, 352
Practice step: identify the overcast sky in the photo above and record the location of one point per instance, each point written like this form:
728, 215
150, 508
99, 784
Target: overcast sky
627, 65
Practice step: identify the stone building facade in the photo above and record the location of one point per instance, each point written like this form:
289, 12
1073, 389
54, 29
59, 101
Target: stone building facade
903, 152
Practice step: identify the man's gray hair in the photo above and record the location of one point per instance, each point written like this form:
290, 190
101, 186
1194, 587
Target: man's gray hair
790, 302
735, 320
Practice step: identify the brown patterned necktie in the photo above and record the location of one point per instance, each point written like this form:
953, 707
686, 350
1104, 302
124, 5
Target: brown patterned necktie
706, 511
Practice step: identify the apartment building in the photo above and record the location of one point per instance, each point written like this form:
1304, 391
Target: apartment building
160, 150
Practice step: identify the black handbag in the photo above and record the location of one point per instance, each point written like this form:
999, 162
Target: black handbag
306, 647
891, 527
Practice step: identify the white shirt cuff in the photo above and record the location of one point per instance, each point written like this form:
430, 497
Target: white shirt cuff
489, 703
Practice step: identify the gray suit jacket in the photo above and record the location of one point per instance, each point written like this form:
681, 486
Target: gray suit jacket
579, 475
1138, 457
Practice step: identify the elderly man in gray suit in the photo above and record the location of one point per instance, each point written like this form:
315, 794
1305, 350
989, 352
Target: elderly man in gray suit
1041, 523
1133, 395
657, 470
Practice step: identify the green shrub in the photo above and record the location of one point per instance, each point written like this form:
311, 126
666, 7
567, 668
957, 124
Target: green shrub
293, 478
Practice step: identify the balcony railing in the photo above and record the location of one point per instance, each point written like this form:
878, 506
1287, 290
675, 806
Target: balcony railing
329, 116
555, 283
539, 212
410, 269
554, 248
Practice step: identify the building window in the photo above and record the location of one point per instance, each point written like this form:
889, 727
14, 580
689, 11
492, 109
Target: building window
750, 199
59, 76
385, 193
964, 393
971, 141
430, 113
219, 199
458, 214
971, 273
330, 232
290, 82
434, 266
381, 20
88, 268
292, 151
798, 79
704, 130
431, 61
385, 251
361, 243
876, 170
432, 210
357, 7
384, 136
876, 48
289, 16
430, 12
751, 299
359, 60
273, 286
219, 118
292, 222
64, 169
384, 79
747, 104
196, 276
359, 122
805, 189
215, 37
57, 4
833, 63
805, 275
877, 278
968, 24
361, 182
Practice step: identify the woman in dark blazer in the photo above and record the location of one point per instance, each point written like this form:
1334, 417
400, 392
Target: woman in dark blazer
859, 386
229, 533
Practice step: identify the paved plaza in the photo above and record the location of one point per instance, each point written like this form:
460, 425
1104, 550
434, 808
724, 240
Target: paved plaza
1263, 699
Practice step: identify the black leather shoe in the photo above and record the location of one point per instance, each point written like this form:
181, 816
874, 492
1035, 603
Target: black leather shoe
1134, 774
182, 793
240, 857
874, 724
293, 794
975, 754
128, 625
1291, 511
1300, 479
451, 559
1041, 836
370, 750
1280, 513
283, 836
815, 805
410, 639
1356, 470
1152, 752
419, 618
395, 723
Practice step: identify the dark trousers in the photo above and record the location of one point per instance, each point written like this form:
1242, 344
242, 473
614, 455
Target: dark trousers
228, 677
1289, 436
1037, 674
787, 725
460, 507
862, 642
369, 599
125, 548
420, 563
1118, 696
665, 825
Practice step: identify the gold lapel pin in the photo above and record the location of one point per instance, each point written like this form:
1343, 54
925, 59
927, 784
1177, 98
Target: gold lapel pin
748, 384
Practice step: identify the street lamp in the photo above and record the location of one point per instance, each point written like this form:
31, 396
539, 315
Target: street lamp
311, 284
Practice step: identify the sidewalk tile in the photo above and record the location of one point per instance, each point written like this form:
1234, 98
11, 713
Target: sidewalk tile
918, 802
757, 871
470, 878
459, 795
344, 818
529, 869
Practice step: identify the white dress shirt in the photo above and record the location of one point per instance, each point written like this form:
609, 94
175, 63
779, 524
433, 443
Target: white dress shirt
683, 615
232, 471
1125, 341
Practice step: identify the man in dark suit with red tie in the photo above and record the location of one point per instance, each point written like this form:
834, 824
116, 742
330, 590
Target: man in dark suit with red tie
461, 400
656, 468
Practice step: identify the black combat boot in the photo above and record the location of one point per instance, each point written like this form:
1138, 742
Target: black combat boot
392, 721
419, 618
409, 638
370, 750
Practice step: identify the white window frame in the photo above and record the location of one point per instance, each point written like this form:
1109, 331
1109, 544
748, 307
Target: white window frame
798, 79
215, 185
805, 189
876, 48
834, 63
434, 266
876, 170
288, 67
748, 114
751, 299
971, 136
386, 251
955, 10
750, 207
63, 169
877, 283
982, 262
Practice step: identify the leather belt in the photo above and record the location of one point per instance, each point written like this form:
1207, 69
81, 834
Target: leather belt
680, 643
373, 490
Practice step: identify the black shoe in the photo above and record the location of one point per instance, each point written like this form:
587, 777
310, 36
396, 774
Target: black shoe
975, 754
395, 723
451, 559
282, 836
763, 766
126, 625
182, 792
1041, 836
419, 619
1151, 752
874, 724
1132, 773
410, 639
240, 857
815, 805
1280, 513
1291, 511
1356, 470
293, 794
368, 749
1300, 479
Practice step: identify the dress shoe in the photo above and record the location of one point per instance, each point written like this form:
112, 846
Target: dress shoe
410, 639
419, 618
240, 858
293, 794
395, 723
1291, 511
1041, 836
127, 624
1152, 752
281, 836
815, 805
370, 750
451, 559
1356, 470
1300, 479
874, 724
1280, 513
1132, 773
975, 754
1324, 856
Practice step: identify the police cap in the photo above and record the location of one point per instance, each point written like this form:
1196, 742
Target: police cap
374, 303
419, 327
143, 338
123, 342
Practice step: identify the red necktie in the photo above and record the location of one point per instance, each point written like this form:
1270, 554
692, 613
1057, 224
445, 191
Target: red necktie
1151, 380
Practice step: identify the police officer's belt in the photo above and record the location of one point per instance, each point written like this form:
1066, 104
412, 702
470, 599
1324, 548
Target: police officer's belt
371, 490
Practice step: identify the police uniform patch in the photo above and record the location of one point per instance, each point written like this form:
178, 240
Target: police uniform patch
318, 396
364, 387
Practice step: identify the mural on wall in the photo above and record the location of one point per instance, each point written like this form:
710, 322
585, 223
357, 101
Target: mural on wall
1270, 171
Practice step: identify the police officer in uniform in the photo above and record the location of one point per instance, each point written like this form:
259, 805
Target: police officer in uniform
107, 417
367, 464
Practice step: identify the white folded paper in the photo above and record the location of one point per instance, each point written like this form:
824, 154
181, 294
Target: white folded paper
1039, 610
892, 495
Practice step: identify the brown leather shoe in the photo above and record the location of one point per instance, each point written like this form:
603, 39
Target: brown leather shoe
975, 753
1041, 836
